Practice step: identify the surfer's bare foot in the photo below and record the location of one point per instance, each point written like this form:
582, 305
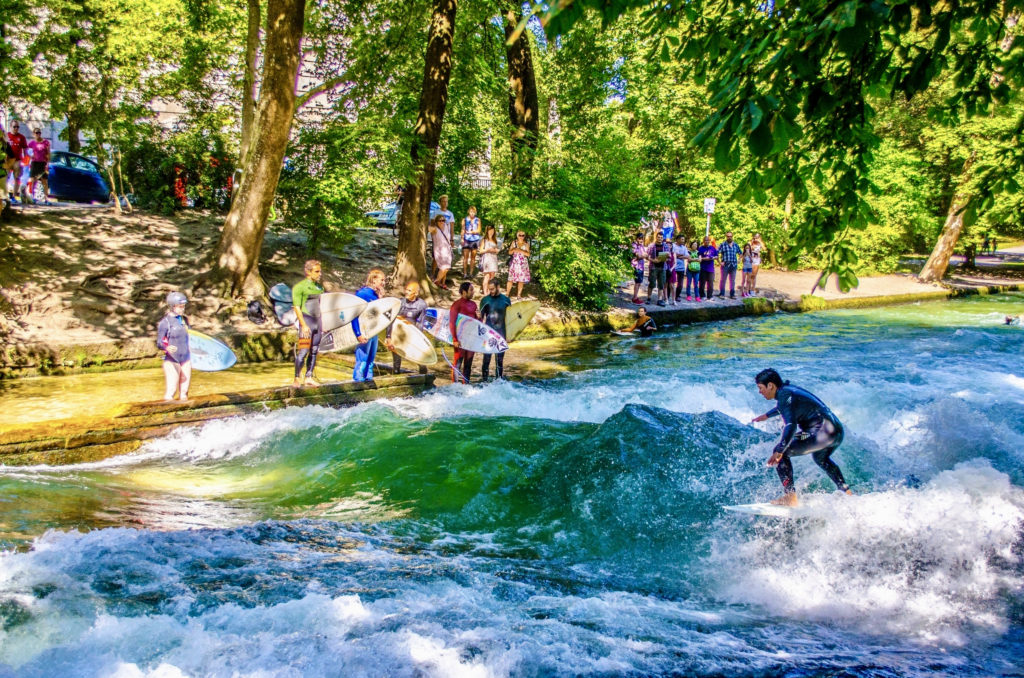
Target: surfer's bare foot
310, 381
788, 499
297, 383
849, 492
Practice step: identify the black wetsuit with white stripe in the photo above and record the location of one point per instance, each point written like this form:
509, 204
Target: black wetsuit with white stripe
810, 428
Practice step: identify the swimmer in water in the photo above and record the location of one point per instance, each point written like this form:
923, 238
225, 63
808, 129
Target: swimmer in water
1015, 319
644, 323
820, 434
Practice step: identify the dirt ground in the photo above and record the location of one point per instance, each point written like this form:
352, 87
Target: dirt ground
73, 275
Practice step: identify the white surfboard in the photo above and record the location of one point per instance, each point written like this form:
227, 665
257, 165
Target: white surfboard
338, 309
771, 510
375, 317
473, 335
518, 316
209, 354
623, 333
411, 344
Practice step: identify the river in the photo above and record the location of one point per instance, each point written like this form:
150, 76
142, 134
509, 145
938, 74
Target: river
570, 525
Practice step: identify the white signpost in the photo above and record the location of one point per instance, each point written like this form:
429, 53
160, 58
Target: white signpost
709, 209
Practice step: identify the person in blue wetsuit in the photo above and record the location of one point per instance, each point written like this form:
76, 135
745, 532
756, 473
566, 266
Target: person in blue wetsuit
366, 351
810, 428
172, 339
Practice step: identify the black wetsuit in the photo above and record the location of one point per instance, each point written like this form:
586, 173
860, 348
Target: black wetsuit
492, 312
647, 329
820, 435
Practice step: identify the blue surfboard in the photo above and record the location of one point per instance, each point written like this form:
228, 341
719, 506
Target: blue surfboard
209, 354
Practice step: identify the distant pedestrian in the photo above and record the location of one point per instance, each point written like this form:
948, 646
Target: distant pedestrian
464, 305
994, 245
172, 339
730, 254
693, 271
755, 261
366, 351
470, 241
985, 244
681, 254
707, 253
40, 167
441, 235
492, 313
413, 309
658, 254
748, 268
489, 255
639, 261
518, 264
19, 144
10, 162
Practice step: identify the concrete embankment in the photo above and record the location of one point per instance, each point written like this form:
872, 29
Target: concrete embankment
77, 440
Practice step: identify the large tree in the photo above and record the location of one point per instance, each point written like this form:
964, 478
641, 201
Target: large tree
237, 254
410, 260
523, 107
791, 85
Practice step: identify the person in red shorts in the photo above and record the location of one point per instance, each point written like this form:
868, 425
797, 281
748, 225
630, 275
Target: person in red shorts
467, 307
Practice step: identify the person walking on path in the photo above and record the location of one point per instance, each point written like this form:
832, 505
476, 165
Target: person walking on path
518, 264
172, 339
489, 255
660, 255
755, 261
470, 241
639, 257
730, 254
464, 305
306, 302
366, 351
441, 235
18, 147
39, 148
707, 253
492, 312
413, 309
820, 432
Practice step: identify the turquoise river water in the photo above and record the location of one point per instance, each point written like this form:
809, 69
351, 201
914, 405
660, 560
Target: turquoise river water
566, 526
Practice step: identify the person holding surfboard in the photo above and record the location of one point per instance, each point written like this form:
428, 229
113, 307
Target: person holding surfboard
820, 432
172, 339
366, 351
644, 323
464, 305
492, 312
309, 323
414, 310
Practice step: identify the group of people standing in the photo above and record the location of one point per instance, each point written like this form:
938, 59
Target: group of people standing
672, 266
478, 246
26, 162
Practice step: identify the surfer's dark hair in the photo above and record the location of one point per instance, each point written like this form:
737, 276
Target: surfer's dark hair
464, 287
769, 376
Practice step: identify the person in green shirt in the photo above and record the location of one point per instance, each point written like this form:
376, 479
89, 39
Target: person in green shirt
306, 300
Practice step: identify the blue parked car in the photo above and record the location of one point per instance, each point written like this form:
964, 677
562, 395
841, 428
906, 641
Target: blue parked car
76, 178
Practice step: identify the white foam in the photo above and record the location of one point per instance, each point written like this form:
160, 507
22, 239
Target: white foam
930, 564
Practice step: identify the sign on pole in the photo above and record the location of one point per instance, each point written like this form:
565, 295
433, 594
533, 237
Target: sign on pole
709, 205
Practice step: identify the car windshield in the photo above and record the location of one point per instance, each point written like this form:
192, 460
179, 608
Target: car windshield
82, 164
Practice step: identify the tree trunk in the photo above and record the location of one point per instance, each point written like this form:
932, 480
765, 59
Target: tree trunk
935, 268
523, 110
237, 254
410, 260
252, 46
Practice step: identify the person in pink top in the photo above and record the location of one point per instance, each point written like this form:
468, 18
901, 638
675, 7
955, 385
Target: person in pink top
18, 146
39, 150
